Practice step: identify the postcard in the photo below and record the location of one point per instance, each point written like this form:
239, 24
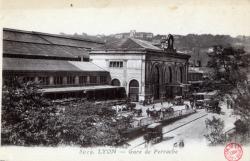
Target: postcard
125, 80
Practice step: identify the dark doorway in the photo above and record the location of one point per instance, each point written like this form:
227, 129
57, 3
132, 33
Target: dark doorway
133, 90
181, 81
115, 82
170, 87
156, 82
181, 74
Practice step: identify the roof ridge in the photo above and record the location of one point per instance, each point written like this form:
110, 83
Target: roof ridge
98, 66
28, 42
145, 42
43, 38
134, 40
53, 35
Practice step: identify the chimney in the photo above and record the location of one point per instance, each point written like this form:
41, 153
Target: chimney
164, 42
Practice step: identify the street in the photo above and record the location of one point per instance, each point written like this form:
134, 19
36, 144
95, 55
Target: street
189, 129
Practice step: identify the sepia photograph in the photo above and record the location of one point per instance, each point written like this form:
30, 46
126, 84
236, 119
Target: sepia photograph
118, 80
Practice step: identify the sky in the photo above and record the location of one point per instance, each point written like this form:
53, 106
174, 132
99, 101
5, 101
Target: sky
230, 17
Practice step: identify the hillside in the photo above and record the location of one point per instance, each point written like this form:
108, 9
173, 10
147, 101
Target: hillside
195, 45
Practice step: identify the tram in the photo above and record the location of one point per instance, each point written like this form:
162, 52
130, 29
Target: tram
153, 133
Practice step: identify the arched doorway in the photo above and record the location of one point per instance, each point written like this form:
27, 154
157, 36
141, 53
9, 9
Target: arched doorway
115, 82
133, 90
181, 74
169, 89
156, 82
170, 75
181, 80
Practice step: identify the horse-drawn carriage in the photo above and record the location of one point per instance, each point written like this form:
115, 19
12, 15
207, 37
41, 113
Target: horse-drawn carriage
213, 106
159, 111
178, 100
153, 133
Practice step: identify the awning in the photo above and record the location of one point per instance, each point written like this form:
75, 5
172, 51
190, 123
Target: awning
78, 89
178, 84
195, 82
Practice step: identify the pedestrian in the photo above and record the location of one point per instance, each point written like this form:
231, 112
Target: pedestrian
140, 112
152, 100
181, 144
147, 111
161, 115
192, 105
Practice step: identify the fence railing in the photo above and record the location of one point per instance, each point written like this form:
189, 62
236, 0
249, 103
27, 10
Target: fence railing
167, 116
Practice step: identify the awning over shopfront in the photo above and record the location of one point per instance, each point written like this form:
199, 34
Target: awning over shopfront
102, 92
178, 84
195, 82
78, 89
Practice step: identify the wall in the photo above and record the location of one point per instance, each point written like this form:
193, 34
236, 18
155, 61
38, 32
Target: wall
163, 63
133, 65
140, 67
7, 75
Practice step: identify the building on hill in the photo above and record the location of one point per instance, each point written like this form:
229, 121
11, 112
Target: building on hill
55, 62
137, 35
146, 71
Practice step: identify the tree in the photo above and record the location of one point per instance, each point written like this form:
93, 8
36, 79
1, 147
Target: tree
30, 119
230, 77
228, 64
240, 127
27, 118
87, 124
215, 128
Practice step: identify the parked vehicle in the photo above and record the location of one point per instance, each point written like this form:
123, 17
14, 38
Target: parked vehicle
153, 133
202, 99
213, 106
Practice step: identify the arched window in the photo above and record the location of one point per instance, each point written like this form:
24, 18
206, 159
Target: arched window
156, 82
115, 82
181, 74
133, 90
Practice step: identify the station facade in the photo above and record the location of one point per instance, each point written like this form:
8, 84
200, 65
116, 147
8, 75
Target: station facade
146, 71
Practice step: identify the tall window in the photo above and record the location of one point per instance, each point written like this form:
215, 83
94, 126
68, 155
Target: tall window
70, 79
116, 64
82, 79
58, 80
44, 80
93, 79
103, 79
27, 79
181, 74
170, 74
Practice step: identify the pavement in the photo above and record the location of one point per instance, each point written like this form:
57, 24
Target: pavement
170, 127
190, 129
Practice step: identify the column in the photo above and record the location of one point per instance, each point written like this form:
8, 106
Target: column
64, 80
142, 83
77, 80
36, 79
124, 83
51, 80
88, 79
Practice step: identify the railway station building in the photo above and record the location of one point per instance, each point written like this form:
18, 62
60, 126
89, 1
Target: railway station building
144, 70
58, 63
